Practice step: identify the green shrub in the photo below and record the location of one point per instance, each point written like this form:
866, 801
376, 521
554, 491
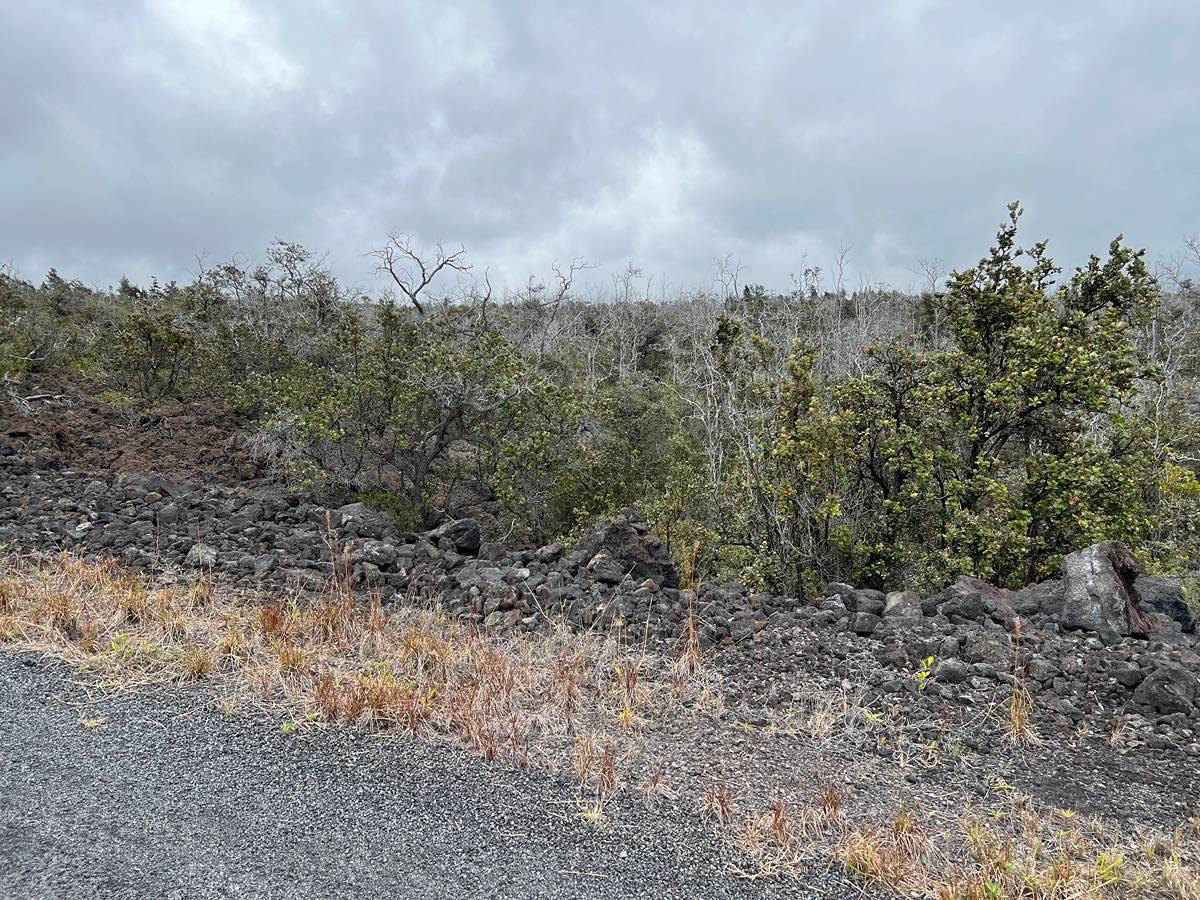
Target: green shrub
148, 352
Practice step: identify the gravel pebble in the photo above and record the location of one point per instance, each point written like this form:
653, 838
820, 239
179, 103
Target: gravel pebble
171, 798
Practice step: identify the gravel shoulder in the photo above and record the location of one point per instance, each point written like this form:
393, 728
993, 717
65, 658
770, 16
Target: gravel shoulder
165, 796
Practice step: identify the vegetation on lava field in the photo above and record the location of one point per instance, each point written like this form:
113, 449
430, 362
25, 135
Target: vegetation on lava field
988, 425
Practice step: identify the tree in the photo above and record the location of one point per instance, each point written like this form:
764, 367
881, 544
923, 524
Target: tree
412, 272
1016, 444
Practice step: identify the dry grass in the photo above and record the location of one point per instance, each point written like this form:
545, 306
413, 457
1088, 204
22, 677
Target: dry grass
1019, 707
572, 702
530, 699
1014, 849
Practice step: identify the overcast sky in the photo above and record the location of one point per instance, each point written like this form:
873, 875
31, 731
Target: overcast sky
137, 135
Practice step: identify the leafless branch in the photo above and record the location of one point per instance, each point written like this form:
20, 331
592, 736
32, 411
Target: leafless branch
413, 272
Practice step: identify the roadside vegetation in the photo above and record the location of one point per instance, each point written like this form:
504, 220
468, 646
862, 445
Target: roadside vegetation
616, 719
1007, 415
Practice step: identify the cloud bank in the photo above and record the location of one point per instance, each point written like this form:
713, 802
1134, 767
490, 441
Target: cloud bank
668, 134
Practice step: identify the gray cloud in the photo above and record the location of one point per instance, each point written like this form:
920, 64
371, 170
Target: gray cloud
665, 134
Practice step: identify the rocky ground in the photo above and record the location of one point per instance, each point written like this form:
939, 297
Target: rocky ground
899, 698
956, 649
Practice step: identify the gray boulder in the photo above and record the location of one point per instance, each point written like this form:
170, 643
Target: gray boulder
1044, 598
201, 556
952, 671
361, 521
902, 605
549, 554
961, 602
846, 593
868, 600
465, 534
1165, 596
378, 553
492, 551
1170, 688
606, 569
264, 564
864, 623
972, 599
1099, 594
146, 482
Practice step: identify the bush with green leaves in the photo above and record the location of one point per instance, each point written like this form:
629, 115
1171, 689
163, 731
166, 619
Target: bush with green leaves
433, 412
147, 348
1015, 439
45, 327
995, 456
889, 440
1021, 441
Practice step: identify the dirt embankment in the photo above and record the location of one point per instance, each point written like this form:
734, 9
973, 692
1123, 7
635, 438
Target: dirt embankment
65, 422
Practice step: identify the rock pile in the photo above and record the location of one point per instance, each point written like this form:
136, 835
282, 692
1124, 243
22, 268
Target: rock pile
1105, 640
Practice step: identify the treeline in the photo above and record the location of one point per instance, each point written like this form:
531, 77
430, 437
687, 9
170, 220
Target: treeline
988, 426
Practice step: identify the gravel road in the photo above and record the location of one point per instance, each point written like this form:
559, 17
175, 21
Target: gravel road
171, 798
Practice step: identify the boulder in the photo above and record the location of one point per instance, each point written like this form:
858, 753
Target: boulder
1170, 688
867, 600
264, 564
465, 534
960, 603
549, 554
952, 671
492, 551
1165, 596
201, 556
633, 548
993, 648
147, 482
1044, 598
972, 599
902, 605
606, 569
361, 521
844, 592
378, 553
864, 623
1099, 593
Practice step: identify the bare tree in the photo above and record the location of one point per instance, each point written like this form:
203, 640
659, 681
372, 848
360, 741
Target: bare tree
413, 272
839, 268
728, 275
932, 270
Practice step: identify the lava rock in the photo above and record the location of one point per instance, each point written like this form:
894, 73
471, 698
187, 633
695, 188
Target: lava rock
627, 539
378, 553
1099, 594
844, 592
465, 534
871, 601
492, 551
1170, 688
952, 671
903, 605
606, 569
864, 623
201, 556
360, 520
1165, 596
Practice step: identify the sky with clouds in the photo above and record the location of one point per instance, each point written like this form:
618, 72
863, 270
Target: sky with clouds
138, 135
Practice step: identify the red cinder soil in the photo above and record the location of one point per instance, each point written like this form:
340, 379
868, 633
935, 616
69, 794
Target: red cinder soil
63, 421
